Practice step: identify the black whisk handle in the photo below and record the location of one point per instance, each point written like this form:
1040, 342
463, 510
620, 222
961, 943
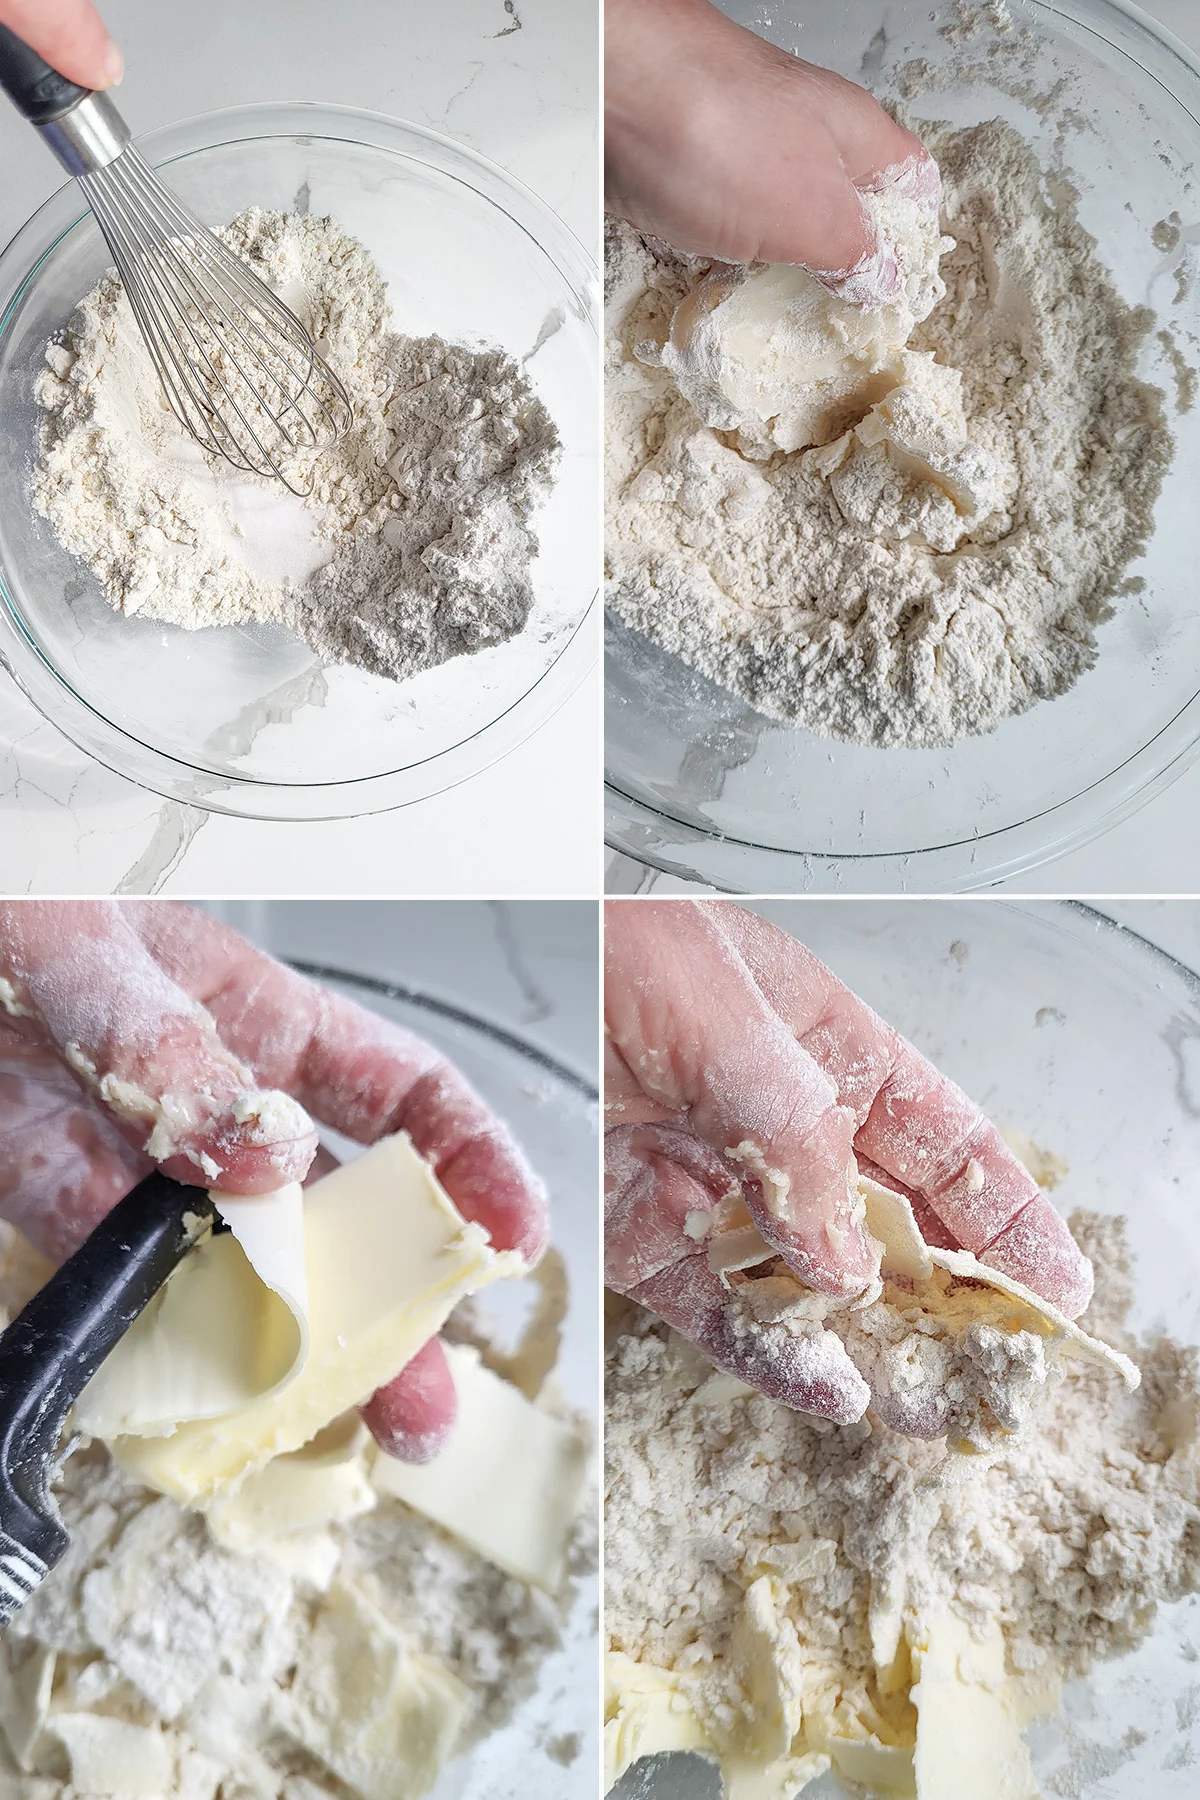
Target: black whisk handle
35, 89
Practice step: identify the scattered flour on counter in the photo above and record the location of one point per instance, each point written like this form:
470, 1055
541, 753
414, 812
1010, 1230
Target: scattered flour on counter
416, 542
769, 1575
940, 554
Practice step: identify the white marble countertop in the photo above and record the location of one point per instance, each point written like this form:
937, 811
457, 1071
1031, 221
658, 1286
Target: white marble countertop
517, 81
1156, 851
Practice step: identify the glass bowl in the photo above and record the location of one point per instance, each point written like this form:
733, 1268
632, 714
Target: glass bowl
1082, 1034
246, 720
553, 1112
701, 785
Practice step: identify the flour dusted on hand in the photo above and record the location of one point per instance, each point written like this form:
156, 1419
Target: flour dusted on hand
416, 542
909, 551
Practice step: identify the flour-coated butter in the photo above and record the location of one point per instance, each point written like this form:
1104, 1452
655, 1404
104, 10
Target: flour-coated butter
381, 1717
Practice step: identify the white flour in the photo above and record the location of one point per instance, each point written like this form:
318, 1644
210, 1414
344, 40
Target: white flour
416, 542
891, 589
1068, 1543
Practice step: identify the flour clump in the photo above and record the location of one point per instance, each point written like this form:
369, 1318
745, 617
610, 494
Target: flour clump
921, 541
416, 542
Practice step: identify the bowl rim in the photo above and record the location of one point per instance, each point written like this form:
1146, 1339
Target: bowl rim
231, 792
454, 1013
664, 841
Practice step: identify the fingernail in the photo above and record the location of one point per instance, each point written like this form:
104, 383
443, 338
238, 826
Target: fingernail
114, 67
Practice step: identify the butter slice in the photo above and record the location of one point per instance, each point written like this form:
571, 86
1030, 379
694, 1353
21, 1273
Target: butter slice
879, 1768
301, 1492
507, 1483
383, 1719
967, 1717
226, 1329
890, 1221
111, 1757
25, 1696
387, 1258
646, 1713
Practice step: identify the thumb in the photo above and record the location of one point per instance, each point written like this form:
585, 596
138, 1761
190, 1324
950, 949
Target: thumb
70, 35
75, 977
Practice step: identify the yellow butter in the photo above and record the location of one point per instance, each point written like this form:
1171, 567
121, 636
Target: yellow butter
301, 1492
507, 1483
967, 1716
110, 1757
646, 1713
173, 1365
387, 1257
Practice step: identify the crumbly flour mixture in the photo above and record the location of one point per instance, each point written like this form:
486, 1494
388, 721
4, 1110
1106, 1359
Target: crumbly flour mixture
891, 532
417, 540
155, 1661
787, 1594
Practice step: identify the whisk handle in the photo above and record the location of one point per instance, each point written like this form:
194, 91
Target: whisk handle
35, 89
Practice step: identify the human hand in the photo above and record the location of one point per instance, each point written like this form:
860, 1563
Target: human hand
738, 1064
728, 147
136, 1034
70, 34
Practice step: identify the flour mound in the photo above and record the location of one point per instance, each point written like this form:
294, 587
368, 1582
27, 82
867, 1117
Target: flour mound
855, 593
416, 542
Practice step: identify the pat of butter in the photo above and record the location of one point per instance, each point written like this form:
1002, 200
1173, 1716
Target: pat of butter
111, 1757
383, 1719
172, 1365
301, 1492
880, 1768
507, 1483
646, 1714
967, 1718
387, 1258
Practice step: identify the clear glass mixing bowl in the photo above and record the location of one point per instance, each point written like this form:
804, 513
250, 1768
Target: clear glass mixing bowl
1082, 1034
701, 785
246, 720
552, 1111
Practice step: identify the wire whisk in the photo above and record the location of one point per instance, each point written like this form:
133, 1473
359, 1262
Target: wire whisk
237, 367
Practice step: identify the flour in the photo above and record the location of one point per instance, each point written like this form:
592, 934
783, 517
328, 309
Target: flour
928, 567
1065, 1546
416, 542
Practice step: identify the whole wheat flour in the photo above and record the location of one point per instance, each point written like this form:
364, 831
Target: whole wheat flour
158, 1661
787, 1594
931, 551
416, 542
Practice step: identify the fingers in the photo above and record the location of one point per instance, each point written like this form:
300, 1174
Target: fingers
921, 1130
747, 153
810, 1373
70, 35
412, 1417
655, 1177
63, 1163
352, 1070
698, 1036
80, 981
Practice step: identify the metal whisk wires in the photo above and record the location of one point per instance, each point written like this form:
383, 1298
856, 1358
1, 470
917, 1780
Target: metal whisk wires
238, 368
